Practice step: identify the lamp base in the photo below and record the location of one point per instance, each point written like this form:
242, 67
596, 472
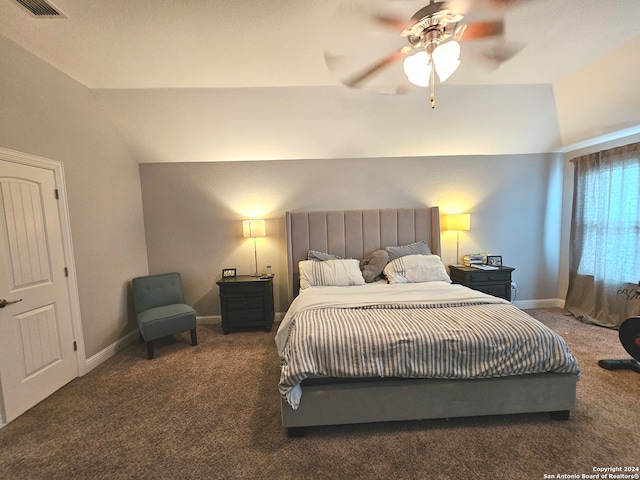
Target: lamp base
256, 274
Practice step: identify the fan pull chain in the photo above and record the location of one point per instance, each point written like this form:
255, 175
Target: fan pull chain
433, 83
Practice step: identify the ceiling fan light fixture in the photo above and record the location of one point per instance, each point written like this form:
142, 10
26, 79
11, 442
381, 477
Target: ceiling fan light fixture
447, 52
446, 58
417, 68
431, 49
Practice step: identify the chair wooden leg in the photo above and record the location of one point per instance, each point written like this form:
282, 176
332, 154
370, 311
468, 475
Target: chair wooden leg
150, 349
194, 338
140, 337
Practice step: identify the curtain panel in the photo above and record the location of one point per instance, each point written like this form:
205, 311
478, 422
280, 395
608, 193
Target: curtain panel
604, 251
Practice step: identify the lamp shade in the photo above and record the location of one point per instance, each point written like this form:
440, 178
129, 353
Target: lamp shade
253, 228
458, 221
417, 68
446, 59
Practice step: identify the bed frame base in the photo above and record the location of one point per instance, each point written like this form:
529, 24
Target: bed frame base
421, 399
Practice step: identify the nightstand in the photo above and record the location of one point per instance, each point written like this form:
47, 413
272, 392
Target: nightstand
493, 282
246, 301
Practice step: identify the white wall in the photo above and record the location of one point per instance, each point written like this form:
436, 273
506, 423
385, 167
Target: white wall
45, 113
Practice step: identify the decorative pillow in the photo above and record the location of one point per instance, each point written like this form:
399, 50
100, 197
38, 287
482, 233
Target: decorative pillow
322, 256
414, 248
373, 265
330, 273
416, 269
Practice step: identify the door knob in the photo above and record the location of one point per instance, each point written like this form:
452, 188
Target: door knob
4, 303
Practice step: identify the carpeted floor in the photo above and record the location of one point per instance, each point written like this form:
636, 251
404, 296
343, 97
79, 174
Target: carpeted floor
212, 412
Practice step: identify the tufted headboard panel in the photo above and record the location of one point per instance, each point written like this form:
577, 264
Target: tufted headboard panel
356, 233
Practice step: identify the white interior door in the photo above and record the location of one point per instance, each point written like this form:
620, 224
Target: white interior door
37, 348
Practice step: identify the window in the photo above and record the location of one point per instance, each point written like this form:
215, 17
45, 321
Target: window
610, 221
604, 253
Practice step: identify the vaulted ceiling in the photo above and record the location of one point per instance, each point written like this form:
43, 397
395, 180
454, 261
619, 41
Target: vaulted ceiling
197, 80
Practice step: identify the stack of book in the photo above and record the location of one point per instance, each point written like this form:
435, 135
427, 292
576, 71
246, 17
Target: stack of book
474, 259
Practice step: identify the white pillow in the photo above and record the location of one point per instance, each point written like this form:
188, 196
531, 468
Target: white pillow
330, 273
416, 269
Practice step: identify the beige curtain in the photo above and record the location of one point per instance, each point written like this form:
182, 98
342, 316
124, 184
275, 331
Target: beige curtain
604, 253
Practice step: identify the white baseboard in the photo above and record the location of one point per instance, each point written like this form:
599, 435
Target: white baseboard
544, 303
106, 353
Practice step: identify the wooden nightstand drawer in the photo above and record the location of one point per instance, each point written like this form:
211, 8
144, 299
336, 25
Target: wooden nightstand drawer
242, 288
489, 276
246, 316
245, 303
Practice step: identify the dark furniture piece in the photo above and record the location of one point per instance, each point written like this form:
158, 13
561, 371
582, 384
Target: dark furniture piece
246, 301
160, 308
493, 282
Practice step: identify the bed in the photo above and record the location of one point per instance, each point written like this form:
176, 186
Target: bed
359, 349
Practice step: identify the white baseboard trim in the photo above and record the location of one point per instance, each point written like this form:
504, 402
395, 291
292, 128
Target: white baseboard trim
543, 303
106, 353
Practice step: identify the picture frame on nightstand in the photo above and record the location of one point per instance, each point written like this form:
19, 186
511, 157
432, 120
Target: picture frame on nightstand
228, 272
494, 260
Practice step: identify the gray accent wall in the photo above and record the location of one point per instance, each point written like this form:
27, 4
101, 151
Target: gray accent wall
193, 212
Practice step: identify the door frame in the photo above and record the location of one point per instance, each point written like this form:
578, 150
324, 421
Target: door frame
65, 227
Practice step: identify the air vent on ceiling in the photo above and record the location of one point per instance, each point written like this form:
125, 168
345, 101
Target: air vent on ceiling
41, 8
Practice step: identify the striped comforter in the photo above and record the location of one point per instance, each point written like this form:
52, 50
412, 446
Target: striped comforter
423, 330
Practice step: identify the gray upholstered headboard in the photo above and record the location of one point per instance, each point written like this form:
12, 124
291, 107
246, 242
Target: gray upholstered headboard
356, 233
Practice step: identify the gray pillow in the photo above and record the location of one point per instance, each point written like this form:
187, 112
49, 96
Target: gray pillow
321, 256
415, 248
373, 265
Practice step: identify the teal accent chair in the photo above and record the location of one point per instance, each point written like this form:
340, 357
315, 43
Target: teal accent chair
160, 308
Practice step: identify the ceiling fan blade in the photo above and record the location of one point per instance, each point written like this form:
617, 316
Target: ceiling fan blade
357, 81
474, 31
392, 22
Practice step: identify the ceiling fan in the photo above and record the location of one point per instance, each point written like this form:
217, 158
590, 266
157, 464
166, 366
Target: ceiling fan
431, 45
